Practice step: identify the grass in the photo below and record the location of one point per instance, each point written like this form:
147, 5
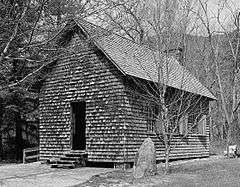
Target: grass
215, 171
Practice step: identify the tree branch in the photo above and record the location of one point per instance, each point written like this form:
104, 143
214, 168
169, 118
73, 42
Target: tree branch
13, 35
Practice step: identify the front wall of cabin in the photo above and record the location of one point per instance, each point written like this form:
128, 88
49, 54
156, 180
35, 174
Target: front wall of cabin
83, 74
190, 147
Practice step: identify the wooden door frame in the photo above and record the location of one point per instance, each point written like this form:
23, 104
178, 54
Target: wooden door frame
71, 120
71, 125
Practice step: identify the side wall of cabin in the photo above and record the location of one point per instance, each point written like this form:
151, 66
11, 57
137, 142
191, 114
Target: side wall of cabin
192, 146
82, 73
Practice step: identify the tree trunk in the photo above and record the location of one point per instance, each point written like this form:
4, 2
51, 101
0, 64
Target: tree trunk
18, 139
0, 144
228, 143
59, 18
167, 155
27, 132
224, 105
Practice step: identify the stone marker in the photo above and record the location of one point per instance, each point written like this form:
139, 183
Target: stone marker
145, 160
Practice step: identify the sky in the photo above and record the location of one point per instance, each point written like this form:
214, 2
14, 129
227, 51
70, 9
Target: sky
230, 7
227, 11
227, 8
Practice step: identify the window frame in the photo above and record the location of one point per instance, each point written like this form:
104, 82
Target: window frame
202, 123
152, 118
183, 124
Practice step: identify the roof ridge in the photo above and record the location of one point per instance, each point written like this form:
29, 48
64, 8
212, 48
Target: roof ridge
94, 25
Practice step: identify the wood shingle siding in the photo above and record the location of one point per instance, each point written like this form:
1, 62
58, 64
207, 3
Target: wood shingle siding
194, 145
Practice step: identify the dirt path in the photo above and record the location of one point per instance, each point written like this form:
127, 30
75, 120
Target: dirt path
41, 175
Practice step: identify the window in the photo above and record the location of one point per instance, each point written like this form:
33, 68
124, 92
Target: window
202, 125
183, 124
159, 126
152, 118
192, 126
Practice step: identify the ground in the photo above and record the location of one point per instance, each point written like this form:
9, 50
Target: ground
41, 175
213, 171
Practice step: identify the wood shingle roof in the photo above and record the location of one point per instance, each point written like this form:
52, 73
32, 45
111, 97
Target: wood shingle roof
140, 61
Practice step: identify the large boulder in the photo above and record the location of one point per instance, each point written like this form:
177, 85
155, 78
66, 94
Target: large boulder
145, 160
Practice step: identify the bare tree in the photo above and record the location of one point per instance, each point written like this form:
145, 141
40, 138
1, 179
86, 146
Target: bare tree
164, 24
164, 20
224, 49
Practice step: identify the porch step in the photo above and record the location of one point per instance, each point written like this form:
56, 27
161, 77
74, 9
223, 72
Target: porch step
71, 159
67, 161
63, 166
70, 154
77, 151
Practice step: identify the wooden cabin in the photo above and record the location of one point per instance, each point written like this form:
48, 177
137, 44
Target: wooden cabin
99, 97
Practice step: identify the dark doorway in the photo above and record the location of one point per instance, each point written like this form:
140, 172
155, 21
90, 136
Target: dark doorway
78, 110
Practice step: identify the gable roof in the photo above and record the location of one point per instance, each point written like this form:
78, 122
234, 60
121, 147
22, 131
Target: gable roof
140, 61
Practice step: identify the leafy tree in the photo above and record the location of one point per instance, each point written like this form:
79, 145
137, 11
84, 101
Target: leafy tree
27, 28
18, 19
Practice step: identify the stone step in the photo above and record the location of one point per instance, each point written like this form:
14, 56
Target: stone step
71, 159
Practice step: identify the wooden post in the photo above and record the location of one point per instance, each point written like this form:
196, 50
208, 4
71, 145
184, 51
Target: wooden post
1, 152
24, 156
